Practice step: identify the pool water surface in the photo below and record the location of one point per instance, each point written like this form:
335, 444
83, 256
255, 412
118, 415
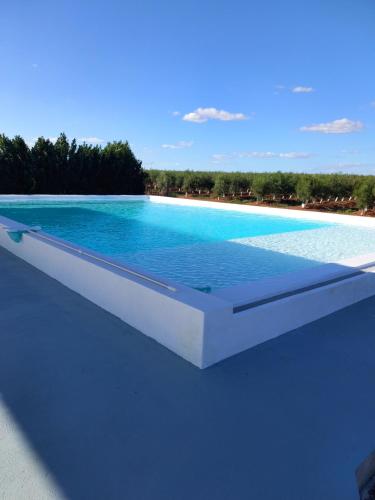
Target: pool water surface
200, 247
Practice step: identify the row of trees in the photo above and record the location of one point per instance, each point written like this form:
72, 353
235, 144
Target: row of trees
64, 167
278, 185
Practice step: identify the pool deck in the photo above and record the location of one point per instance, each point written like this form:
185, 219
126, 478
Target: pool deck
90, 409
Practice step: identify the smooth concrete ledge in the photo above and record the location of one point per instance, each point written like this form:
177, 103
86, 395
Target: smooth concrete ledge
266, 288
201, 328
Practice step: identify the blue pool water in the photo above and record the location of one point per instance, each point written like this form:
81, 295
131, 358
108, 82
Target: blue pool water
200, 247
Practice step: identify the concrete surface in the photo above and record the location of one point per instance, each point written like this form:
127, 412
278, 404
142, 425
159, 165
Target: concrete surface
91, 409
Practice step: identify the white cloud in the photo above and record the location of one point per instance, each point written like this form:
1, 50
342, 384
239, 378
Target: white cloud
299, 89
218, 158
350, 151
302, 90
201, 115
295, 155
178, 145
291, 155
175, 113
341, 126
342, 167
279, 89
351, 165
269, 154
91, 140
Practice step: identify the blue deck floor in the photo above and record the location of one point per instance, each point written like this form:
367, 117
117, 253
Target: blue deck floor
91, 409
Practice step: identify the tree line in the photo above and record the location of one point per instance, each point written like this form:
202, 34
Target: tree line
277, 185
64, 167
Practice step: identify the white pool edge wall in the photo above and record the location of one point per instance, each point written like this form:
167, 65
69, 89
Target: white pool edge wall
201, 328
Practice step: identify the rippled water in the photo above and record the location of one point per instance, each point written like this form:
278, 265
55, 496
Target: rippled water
200, 247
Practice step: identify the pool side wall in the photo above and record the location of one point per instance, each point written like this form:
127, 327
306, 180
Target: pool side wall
174, 319
251, 327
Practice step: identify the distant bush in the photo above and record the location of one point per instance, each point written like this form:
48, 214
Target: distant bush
262, 185
63, 167
277, 185
365, 194
304, 188
222, 185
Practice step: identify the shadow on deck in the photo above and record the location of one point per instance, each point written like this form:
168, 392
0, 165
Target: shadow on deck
111, 414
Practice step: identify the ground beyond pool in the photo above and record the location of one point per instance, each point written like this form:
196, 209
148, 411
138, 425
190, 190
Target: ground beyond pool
200, 247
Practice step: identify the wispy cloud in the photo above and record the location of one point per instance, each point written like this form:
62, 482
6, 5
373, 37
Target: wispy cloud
291, 155
218, 157
302, 90
343, 167
175, 113
178, 145
279, 89
350, 151
35, 65
372, 104
201, 115
341, 126
298, 89
91, 140
352, 165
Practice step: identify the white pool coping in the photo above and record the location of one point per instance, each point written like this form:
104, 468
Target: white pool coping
202, 328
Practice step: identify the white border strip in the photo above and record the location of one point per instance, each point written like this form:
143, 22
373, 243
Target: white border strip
278, 212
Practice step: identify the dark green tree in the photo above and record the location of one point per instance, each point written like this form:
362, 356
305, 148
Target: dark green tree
304, 188
222, 185
120, 172
261, 186
365, 195
164, 183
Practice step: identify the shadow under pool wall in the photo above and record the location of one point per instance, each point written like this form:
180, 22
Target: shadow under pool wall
202, 328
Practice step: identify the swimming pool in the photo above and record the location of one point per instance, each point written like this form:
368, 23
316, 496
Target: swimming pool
268, 270
200, 247
203, 248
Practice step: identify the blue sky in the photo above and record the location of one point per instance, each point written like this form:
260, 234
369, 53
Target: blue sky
245, 85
